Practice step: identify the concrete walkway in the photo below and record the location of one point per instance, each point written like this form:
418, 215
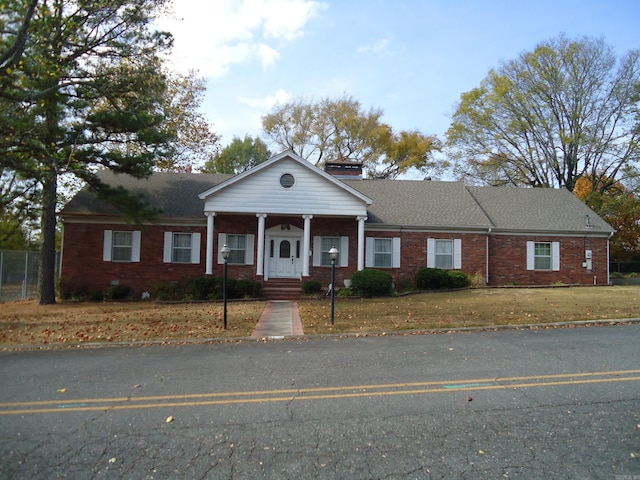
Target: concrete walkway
279, 319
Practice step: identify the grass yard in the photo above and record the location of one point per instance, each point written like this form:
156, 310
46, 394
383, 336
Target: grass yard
25, 322
475, 307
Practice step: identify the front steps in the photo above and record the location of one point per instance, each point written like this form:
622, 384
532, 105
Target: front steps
282, 289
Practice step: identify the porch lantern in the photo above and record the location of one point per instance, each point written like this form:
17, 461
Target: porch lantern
333, 253
224, 251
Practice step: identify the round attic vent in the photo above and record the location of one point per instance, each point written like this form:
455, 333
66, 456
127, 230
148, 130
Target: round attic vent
287, 180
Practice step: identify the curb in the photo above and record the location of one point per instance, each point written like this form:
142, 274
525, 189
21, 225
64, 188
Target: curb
209, 341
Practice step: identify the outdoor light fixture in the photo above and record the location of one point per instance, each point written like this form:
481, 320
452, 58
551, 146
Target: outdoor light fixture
224, 251
333, 253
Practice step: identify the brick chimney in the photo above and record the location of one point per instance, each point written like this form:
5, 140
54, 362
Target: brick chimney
344, 170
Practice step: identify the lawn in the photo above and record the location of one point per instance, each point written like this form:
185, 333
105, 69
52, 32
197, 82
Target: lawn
474, 307
25, 322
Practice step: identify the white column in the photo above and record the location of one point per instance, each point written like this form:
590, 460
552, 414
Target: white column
209, 265
261, 217
361, 242
306, 245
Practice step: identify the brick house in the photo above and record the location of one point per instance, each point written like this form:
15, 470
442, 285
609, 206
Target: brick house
281, 217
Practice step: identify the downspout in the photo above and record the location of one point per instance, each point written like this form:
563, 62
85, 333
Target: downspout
609, 258
486, 280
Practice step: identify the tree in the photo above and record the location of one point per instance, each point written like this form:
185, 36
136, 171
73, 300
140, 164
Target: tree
195, 140
238, 156
81, 88
620, 208
549, 117
341, 130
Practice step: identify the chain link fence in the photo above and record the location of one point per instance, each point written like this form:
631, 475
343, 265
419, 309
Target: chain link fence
19, 275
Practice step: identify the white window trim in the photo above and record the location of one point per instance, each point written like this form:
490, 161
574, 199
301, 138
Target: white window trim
343, 249
555, 256
248, 254
370, 253
167, 256
108, 245
457, 252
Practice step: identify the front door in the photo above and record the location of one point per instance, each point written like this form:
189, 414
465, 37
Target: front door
284, 257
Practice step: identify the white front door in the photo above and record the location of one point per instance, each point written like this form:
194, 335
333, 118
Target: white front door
284, 257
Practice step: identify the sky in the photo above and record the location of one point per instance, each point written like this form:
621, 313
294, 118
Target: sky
410, 58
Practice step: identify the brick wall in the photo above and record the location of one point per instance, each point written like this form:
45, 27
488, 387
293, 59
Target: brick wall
83, 254
83, 262
508, 261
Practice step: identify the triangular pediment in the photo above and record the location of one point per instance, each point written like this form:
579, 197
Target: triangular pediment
285, 184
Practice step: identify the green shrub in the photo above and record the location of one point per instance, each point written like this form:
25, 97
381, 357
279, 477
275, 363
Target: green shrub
431, 278
345, 292
457, 279
244, 289
371, 283
617, 275
405, 284
312, 287
96, 296
119, 292
437, 278
72, 289
168, 291
204, 287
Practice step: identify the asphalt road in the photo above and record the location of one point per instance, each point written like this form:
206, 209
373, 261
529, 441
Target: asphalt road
552, 404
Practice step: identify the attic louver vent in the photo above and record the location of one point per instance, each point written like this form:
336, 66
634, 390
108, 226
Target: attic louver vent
287, 180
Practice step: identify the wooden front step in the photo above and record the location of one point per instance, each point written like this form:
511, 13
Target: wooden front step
282, 289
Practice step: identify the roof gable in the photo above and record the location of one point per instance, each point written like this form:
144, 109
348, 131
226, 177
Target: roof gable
260, 190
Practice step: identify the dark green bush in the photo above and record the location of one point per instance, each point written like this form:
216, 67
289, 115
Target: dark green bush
312, 287
457, 279
405, 284
119, 292
371, 283
345, 292
168, 291
245, 289
204, 287
72, 289
431, 278
437, 278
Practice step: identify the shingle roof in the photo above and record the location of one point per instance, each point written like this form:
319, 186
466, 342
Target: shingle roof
421, 203
176, 194
537, 209
406, 203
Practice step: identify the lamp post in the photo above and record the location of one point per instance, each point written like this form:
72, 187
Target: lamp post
224, 251
333, 253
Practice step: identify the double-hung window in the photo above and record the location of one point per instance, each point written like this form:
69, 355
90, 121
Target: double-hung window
121, 246
383, 252
241, 248
321, 247
444, 253
543, 256
327, 243
181, 247
238, 248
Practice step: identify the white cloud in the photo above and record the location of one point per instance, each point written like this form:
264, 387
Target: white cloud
211, 36
380, 47
268, 102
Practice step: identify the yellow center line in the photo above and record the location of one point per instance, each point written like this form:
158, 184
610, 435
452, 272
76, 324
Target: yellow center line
318, 393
